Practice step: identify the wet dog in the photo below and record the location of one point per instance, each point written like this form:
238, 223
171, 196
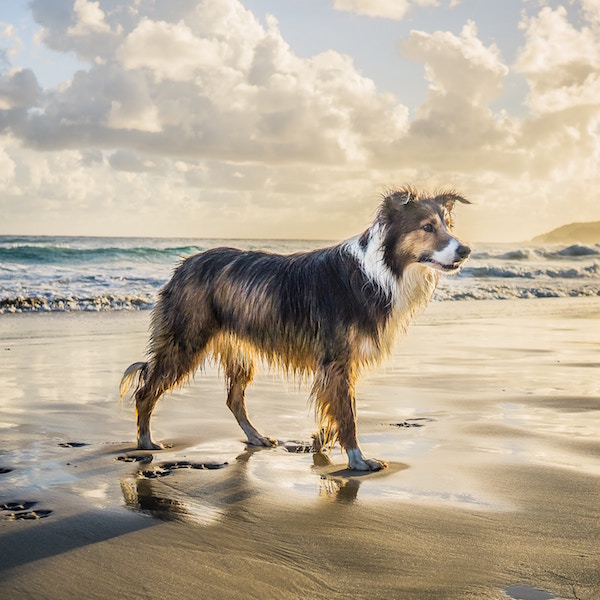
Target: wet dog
326, 313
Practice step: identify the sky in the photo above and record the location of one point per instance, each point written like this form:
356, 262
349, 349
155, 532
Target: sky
291, 118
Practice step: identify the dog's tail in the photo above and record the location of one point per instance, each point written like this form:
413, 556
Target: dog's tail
135, 375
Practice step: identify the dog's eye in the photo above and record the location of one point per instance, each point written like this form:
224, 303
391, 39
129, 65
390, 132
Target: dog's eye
429, 228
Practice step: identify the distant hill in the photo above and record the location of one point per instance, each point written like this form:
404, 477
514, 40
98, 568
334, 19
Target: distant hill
584, 233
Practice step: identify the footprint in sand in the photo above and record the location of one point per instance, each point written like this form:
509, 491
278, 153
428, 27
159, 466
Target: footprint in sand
29, 515
73, 444
416, 422
17, 506
20, 511
167, 468
148, 458
298, 447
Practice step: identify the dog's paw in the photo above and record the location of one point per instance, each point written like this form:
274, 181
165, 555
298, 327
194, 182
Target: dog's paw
319, 440
261, 440
375, 465
321, 460
357, 462
148, 444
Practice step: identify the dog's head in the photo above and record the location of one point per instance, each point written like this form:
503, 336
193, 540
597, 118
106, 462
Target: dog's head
419, 230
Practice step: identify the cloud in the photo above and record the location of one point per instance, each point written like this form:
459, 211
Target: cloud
591, 10
561, 63
206, 106
9, 32
385, 9
194, 118
78, 26
458, 65
89, 19
127, 160
215, 85
169, 50
19, 89
7, 172
465, 77
506, 162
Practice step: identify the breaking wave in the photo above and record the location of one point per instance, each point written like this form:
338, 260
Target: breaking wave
59, 274
63, 304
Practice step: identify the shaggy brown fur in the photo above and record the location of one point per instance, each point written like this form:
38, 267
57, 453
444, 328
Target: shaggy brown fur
326, 313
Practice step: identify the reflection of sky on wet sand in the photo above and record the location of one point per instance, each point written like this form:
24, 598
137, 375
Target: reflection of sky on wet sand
486, 418
494, 390
277, 477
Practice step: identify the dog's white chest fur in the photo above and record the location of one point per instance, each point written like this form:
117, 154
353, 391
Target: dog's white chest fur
371, 259
407, 294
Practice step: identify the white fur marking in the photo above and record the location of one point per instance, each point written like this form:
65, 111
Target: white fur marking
356, 460
371, 259
367, 350
447, 256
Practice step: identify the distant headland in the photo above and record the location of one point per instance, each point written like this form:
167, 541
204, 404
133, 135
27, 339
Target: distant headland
584, 233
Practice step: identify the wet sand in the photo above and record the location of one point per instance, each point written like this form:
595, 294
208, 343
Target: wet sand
488, 414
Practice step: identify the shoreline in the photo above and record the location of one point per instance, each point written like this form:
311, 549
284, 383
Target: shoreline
486, 412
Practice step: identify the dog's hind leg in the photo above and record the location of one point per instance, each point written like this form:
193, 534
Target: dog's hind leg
169, 366
333, 393
145, 401
239, 373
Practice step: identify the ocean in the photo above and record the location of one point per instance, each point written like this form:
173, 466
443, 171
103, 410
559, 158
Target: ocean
46, 274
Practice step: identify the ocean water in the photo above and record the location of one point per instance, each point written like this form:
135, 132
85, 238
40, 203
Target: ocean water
103, 274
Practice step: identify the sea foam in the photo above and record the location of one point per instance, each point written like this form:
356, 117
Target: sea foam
50, 274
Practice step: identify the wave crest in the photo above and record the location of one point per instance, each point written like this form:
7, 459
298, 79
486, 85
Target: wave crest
109, 302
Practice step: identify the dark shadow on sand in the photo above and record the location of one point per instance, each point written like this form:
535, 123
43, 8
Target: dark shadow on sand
24, 543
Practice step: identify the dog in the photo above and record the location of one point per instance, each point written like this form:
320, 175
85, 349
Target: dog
326, 313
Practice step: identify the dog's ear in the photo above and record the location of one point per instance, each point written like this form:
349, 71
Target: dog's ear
397, 199
449, 199
394, 203
402, 196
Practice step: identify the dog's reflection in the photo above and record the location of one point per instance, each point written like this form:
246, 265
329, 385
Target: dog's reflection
342, 490
139, 493
148, 491
334, 486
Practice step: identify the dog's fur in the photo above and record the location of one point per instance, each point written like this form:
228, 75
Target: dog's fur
328, 313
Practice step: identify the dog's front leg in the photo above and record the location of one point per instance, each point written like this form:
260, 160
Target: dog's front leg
349, 441
334, 396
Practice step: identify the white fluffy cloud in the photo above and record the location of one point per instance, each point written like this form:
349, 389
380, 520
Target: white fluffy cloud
194, 118
456, 123
169, 50
217, 84
561, 63
562, 135
591, 9
9, 33
385, 9
88, 19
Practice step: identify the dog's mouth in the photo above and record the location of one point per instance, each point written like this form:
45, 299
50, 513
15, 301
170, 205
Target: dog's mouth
446, 268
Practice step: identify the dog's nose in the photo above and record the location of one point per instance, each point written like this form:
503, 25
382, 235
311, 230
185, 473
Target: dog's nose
463, 251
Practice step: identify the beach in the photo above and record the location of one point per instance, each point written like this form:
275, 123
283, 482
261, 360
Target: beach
488, 414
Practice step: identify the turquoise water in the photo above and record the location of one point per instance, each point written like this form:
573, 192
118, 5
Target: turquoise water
39, 273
